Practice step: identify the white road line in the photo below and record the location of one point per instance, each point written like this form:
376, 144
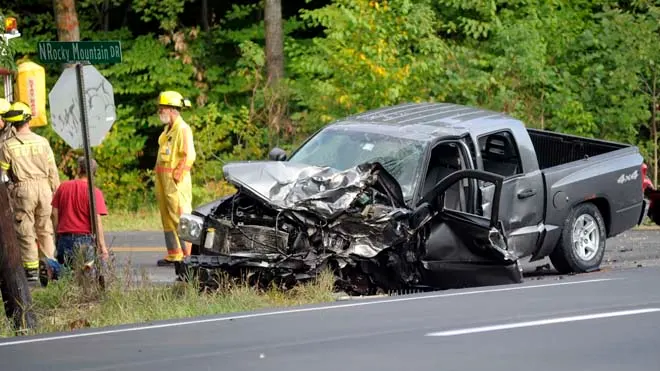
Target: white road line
548, 321
300, 310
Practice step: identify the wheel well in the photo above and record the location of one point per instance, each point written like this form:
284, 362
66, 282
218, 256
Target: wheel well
604, 208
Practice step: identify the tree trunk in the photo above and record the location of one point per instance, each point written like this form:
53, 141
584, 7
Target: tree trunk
274, 65
106, 15
274, 41
66, 19
205, 16
16, 295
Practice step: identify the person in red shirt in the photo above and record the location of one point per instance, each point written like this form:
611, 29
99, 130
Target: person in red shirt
72, 220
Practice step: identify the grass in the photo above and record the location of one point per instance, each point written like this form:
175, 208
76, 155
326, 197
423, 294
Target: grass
146, 219
73, 303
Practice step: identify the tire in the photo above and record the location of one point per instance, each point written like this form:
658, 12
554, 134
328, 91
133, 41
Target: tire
568, 257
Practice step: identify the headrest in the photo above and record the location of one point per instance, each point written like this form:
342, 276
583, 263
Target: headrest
501, 146
447, 155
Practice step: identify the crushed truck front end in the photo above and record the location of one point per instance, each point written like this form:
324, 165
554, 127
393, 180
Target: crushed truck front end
287, 222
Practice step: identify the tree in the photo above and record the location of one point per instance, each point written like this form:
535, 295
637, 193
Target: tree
372, 54
205, 16
614, 77
66, 19
276, 103
274, 41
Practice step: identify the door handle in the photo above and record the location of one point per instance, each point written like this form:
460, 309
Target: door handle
526, 193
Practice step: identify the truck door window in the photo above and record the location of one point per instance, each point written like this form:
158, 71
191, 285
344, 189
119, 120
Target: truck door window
499, 154
446, 158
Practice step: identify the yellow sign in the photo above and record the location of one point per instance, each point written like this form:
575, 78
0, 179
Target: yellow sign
31, 89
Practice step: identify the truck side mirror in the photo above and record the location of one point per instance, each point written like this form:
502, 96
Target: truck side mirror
277, 154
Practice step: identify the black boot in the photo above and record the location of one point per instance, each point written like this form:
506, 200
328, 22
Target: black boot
32, 274
165, 263
44, 273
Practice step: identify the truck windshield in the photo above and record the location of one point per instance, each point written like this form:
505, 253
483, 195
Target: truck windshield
342, 149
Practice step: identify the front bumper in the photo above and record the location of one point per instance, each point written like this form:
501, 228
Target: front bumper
212, 270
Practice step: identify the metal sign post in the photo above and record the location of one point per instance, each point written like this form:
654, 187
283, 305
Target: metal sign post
88, 152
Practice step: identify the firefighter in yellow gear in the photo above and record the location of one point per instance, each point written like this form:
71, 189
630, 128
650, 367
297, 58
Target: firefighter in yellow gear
28, 160
176, 155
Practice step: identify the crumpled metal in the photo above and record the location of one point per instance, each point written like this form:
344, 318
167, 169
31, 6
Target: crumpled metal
324, 191
370, 226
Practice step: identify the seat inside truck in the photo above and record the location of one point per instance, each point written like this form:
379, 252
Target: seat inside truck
446, 159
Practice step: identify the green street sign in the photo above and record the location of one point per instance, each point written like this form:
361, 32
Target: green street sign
93, 52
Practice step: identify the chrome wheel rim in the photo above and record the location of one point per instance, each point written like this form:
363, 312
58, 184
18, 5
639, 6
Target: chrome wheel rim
586, 237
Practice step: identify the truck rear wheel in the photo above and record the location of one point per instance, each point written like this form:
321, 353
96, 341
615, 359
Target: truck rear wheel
582, 244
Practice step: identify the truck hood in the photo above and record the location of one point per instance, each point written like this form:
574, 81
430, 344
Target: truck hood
324, 191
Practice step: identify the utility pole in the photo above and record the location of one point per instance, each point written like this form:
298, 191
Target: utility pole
14, 288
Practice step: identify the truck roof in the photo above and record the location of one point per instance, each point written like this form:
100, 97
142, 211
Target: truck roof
427, 121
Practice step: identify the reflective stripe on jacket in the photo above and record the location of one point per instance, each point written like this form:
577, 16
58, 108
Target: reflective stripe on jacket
176, 152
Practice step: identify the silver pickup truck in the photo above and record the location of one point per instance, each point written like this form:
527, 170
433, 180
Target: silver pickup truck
426, 195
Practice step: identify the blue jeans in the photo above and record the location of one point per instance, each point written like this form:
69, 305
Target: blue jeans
68, 246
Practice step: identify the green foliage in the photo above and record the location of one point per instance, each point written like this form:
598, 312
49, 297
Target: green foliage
166, 12
391, 47
583, 67
148, 67
7, 56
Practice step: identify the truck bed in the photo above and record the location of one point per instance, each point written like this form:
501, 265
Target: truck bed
554, 149
577, 169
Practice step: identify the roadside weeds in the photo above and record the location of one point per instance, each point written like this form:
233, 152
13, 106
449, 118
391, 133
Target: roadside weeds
130, 298
146, 219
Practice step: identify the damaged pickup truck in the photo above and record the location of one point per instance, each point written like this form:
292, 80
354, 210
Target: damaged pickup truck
418, 196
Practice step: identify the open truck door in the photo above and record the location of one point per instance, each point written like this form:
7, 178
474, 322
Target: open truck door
465, 248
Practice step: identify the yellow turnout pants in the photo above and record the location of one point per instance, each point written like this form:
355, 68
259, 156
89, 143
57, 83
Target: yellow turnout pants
32, 209
173, 200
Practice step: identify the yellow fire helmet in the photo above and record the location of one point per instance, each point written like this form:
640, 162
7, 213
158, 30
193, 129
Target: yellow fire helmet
18, 112
172, 99
4, 106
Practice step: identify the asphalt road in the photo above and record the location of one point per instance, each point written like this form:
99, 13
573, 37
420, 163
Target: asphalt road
599, 321
633, 249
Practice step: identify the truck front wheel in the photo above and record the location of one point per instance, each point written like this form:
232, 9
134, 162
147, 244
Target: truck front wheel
582, 244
